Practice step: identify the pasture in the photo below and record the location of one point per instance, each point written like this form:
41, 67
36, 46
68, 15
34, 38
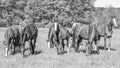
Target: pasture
48, 58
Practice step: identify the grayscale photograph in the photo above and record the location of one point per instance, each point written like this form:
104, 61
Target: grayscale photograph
59, 33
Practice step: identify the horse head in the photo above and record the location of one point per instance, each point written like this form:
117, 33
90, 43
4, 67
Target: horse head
56, 26
114, 21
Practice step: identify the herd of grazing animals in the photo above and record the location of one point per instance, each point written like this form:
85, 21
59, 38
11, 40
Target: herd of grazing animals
57, 34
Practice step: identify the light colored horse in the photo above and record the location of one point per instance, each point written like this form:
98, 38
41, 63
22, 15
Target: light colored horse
106, 31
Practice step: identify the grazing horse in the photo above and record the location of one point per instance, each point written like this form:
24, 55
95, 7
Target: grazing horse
12, 37
62, 34
105, 30
86, 32
29, 33
52, 38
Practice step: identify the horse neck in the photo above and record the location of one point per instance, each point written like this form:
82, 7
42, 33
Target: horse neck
110, 23
58, 27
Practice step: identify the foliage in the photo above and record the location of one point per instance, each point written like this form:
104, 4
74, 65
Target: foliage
66, 12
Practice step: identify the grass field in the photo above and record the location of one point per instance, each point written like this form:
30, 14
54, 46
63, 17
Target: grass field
47, 58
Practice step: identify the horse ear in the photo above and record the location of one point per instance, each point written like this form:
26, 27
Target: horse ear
113, 16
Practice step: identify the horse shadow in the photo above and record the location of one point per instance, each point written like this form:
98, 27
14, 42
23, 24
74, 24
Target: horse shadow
102, 48
36, 52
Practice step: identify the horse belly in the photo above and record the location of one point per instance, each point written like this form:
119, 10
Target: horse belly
84, 33
101, 30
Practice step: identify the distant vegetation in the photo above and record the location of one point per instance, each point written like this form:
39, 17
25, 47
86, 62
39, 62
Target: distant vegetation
45, 12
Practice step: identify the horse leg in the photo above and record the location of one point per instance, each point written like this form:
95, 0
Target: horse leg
75, 44
48, 44
31, 46
7, 49
109, 43
88, 51
78, 44
52, 43
13, 49
57, 46
89, 47
61, 46
74, 41
96, 46
105, 43
68, 45
12, 46
23, 50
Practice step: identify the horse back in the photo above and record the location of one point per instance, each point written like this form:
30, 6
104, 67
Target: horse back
84, 31
30, 30
101, 29
15, 31
12, 33
64, 33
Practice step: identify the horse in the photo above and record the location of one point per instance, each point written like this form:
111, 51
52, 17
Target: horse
11, 39
86, 32
106, 31
62, 34
52, 38
29, 33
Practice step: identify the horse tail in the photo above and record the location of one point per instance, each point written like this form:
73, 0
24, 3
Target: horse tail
22, 36
92, 33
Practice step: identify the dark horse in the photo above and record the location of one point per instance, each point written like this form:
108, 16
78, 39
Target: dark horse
86, 32
105, 30
62, 34
29, 33
12, 36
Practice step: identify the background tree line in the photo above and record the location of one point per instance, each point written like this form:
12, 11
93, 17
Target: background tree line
45, 12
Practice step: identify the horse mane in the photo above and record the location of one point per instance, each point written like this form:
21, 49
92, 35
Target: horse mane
109, 22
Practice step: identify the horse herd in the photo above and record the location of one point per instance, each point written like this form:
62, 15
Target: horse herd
58, 34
